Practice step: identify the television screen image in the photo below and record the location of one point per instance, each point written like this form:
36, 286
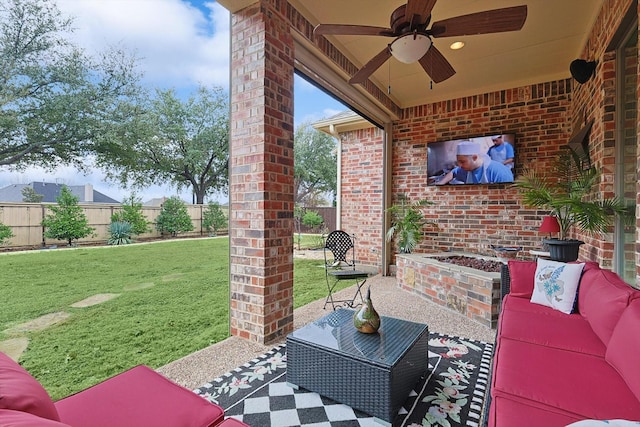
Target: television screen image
486, 159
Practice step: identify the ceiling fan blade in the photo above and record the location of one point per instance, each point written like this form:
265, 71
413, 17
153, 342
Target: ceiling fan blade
490, 21
436, 65
422, 8
352, 30
371, 66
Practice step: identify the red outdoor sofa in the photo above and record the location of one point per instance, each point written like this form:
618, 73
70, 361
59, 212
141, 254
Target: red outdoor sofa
138, 397
565, 355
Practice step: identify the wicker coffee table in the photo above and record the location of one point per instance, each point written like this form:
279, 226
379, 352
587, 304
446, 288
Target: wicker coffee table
373, 373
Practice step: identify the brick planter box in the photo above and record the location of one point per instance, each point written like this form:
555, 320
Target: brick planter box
470, 292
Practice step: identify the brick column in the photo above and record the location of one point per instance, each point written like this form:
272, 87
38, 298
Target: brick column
261, 180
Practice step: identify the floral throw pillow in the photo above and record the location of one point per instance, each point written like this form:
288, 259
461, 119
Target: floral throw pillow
556, 284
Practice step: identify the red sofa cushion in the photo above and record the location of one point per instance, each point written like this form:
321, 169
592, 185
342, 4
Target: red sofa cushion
138, 397
514, 413
552, 328
624, 347
522, 276
561, 381
602, 298
11, 418
21, 392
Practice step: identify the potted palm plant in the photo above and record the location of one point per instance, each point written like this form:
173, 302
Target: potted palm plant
567, 191
407, 221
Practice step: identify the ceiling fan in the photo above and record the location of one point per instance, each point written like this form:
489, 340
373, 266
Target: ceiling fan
413, 40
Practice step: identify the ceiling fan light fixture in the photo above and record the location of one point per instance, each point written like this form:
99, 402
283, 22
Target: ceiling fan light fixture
410, 47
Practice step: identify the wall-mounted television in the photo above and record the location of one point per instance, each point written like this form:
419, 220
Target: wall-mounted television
485, 159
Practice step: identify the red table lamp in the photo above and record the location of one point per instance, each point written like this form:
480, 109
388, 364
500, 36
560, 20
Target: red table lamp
549, 225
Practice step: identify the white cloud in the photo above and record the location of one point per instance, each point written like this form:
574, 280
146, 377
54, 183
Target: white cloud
312, 104
178, 44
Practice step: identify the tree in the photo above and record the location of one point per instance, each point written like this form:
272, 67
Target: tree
315, 159
29, 195
174, 217
298, 213
54, 99
67, 220
213, 218
132, 213
186, 143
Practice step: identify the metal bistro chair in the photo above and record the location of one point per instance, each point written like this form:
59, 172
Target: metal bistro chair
340, 264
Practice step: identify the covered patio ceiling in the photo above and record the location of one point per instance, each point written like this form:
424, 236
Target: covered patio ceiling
553, 35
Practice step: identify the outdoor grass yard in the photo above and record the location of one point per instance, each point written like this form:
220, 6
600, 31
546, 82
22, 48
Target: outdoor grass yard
308, 241
173, 300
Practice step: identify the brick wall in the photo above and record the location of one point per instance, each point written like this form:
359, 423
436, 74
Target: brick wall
261, 176
361, 192
596, 100
471, 218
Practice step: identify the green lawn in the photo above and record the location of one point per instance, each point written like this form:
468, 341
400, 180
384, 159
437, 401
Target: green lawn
173, 300
308, 241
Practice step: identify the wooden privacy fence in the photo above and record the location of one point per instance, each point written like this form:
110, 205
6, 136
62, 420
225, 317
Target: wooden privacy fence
328, 214
25, 220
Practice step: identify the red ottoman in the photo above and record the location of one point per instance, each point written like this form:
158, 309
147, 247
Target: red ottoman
138, 397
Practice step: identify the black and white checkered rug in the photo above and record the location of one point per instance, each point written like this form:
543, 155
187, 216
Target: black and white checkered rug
451, 393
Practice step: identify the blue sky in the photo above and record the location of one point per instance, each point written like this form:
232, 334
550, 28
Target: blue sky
181, 44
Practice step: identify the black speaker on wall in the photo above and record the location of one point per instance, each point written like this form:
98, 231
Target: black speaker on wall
582, 70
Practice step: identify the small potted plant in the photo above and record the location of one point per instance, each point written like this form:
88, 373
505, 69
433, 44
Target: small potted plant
567, 191
407, 221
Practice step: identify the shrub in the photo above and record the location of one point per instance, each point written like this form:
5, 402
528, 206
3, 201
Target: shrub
407, 220
132, 213
174, 217
68, 221
213, 218
5, 233
120, 233
312, 219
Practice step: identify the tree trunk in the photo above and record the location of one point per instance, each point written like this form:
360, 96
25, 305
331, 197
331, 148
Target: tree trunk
199, 197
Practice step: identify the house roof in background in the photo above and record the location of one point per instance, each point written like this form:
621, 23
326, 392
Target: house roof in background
158, 201
50, 191
342, 122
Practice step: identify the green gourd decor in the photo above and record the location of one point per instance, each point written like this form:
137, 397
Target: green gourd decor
366, 318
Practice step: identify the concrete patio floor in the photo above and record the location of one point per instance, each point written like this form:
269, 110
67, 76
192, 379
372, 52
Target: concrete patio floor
205, 365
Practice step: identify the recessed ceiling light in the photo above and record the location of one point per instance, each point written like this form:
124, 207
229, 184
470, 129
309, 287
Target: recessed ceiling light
456, 45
